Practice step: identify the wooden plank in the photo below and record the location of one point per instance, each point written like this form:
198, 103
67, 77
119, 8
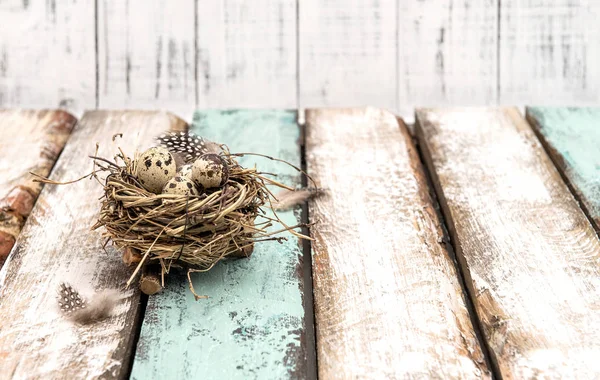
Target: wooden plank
530, 257
31, 142
548, 52
347, 53
47, 56
447, 52
388, 303
571, 137
147, 55
246, 53
56, 245
253, 325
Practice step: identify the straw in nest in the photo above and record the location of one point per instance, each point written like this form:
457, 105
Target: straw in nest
193, 232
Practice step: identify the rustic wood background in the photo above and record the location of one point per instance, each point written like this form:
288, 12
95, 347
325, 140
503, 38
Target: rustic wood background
185, 54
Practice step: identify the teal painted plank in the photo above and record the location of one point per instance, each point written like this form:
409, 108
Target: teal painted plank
572, 138
253, 324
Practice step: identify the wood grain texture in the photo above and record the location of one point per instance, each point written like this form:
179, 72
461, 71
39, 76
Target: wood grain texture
549, 52
246, 53
530, 257
571, 136
56, 245
31, 142
47, 57
146, 55
253, 325
347, 53
388, 303
447, 52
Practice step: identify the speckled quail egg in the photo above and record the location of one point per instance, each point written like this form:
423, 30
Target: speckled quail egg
185, 171
209, 170
155, 167
181, 185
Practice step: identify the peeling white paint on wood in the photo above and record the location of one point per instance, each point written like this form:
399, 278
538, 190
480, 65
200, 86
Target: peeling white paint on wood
388, 303
225, 54
447, 52
56, 245
347, 53
147, 55
47, 54
246, 53
550, 52
31, 142
530, 256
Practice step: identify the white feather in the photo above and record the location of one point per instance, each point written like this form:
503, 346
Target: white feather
286, 199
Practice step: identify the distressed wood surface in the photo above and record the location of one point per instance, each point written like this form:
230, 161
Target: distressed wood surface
347, 53
388, 303
222, 54
571, 137
56, 245
146, 55
530, 257
549, 52
47, 54
447, 52
246, 53
31, 142
253, 325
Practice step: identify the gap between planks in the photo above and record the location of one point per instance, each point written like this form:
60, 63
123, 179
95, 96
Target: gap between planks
449, 243
571, 139
309, 306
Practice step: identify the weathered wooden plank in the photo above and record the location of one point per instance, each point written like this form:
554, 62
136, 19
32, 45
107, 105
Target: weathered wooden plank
447, 52
388, 303
549, 52
253, 325
347, 53
530, 257
47, 56
56, 245
146, 55
31, 142
571, 137
246, 53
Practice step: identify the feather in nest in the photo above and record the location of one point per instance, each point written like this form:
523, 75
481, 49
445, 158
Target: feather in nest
288, 199
186, 146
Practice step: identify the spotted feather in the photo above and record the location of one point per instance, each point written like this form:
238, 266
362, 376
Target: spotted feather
69, 299
188, 145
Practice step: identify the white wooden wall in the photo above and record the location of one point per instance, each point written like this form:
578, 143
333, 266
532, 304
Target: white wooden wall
184, 54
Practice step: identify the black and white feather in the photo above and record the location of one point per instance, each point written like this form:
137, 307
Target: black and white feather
188, 145
79, 310
69, 299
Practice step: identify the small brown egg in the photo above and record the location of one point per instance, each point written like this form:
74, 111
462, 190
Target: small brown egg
181, 185
209, 170
155, 167
185, 171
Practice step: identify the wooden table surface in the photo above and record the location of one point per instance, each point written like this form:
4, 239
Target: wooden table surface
469, 251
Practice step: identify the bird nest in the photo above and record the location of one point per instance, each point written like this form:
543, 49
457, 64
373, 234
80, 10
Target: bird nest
192, 232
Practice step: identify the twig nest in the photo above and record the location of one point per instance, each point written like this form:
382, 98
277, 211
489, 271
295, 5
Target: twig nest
210, 171
181, 186
155, 167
